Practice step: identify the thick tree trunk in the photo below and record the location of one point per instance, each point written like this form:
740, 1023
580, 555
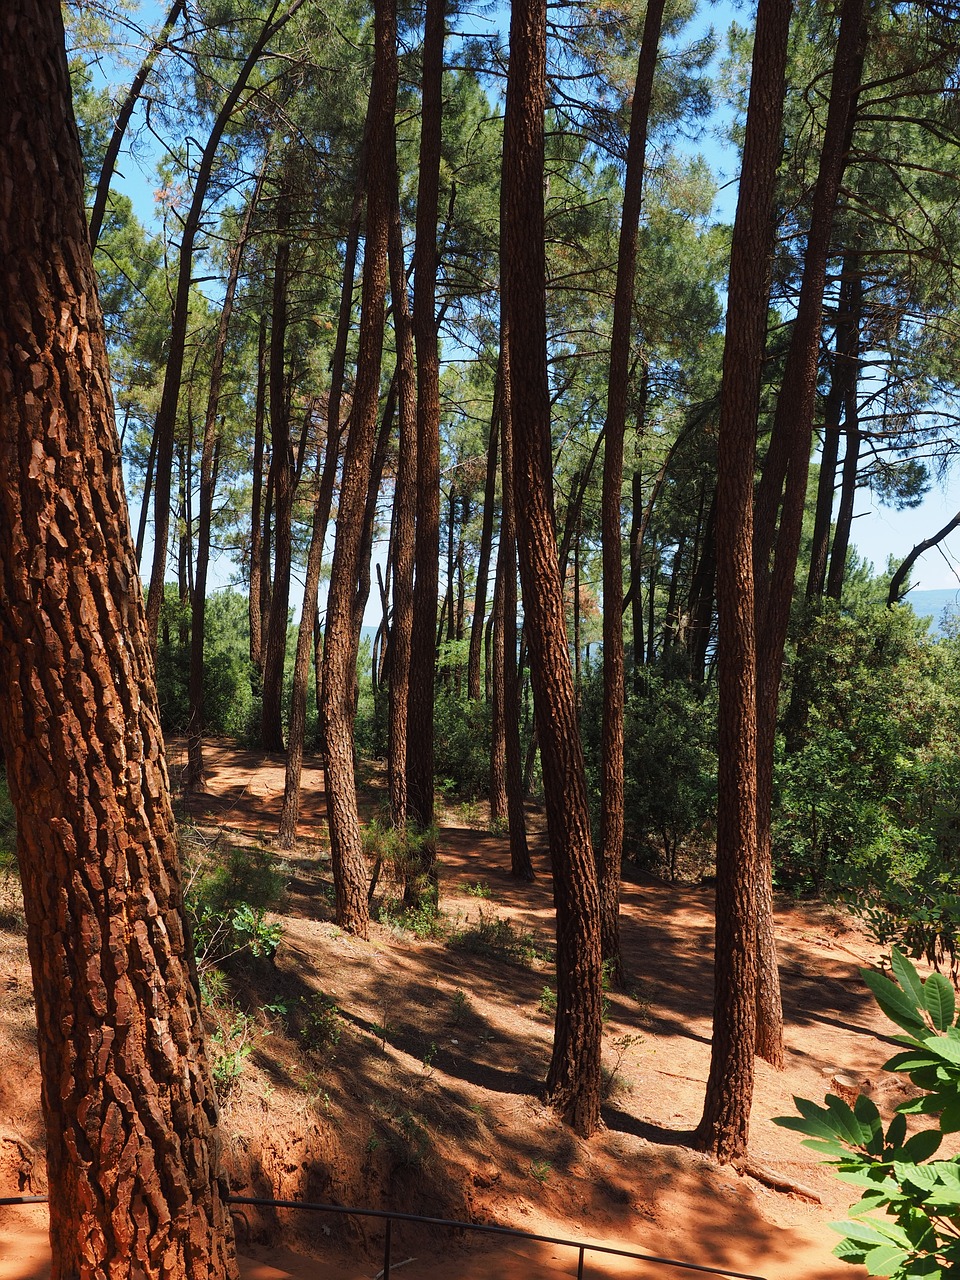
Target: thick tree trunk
724, 1125
128, 1102
338, 703
573, 1081
610, 853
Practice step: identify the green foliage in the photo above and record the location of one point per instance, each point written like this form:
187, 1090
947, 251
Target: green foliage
231, 1045
8, 830
320, 1023
227, 898
670, 767
227, 697
896, 1173
462, 743
867, 784
496, 938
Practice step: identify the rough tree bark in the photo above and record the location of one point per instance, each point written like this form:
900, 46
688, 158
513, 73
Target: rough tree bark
724, 1125
128, 1102
573, 1080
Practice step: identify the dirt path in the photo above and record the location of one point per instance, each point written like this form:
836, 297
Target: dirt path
427, 1101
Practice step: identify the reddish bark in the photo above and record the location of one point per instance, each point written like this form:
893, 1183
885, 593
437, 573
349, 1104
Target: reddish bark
128, 1101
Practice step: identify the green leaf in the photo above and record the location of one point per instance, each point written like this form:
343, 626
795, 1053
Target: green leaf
847, 1125
950, 1117
910, 1060
939, 1001
947, 1049
894, 1002
920, 1147
870, 1124
850, 1251
813, 1126
897, 1131
885, 1260
907, 976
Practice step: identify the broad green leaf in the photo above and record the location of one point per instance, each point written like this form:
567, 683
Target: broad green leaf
910, 1060
945, 1048
922, 1177
950, 1117
894, 1002
873, 1233
938, 999
870, 1124
885, 1260
849, 1251
847, 1124
813, 1126
907, 976
920, 1147
897, 1131
829, 1147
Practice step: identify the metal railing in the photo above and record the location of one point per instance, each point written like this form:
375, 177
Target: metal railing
450, 1224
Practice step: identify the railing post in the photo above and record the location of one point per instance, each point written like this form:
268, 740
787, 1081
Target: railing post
386, 1250
580, 1265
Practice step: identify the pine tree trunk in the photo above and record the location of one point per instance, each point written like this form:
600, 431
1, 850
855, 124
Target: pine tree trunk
610, 853
338, 698
521, 867
255, 609
282, 485
404, 513
724, 1125
786, 471
128, 1101
573, 1081
474, 680
194, 778
420, 765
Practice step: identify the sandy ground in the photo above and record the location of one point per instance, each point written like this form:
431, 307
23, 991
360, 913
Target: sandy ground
428, 1102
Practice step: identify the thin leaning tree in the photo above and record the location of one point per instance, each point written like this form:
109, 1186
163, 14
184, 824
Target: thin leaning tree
128, 1101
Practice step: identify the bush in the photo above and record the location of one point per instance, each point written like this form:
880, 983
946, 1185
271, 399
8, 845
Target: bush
227, 898
867, 785
894, 1173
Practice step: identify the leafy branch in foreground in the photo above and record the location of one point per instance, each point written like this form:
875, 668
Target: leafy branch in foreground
895, 1173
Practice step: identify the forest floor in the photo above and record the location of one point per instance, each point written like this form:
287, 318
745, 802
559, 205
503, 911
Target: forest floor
405, 1072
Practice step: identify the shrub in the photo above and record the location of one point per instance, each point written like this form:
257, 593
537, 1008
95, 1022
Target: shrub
895, 1173
227, 899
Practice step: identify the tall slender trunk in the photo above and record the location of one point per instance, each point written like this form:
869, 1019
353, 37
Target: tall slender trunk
255, 602
404, 512
521, 867
851, 456
573, 1081
498, 703
130, 100
474, 681
165, 425
610, 853
420, 766
128, 1099
785, 471
343, 623
282, 485
194, 778
724, 1125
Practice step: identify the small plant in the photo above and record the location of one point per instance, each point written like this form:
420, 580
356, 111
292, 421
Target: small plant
469, 813
227, 898
497, 939
230, 1047
540, 1171
895, 1173
322, 1024
479, 889
622, 1046
498, 826
424, 920
547, 1004
461, 1006
430, 1057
